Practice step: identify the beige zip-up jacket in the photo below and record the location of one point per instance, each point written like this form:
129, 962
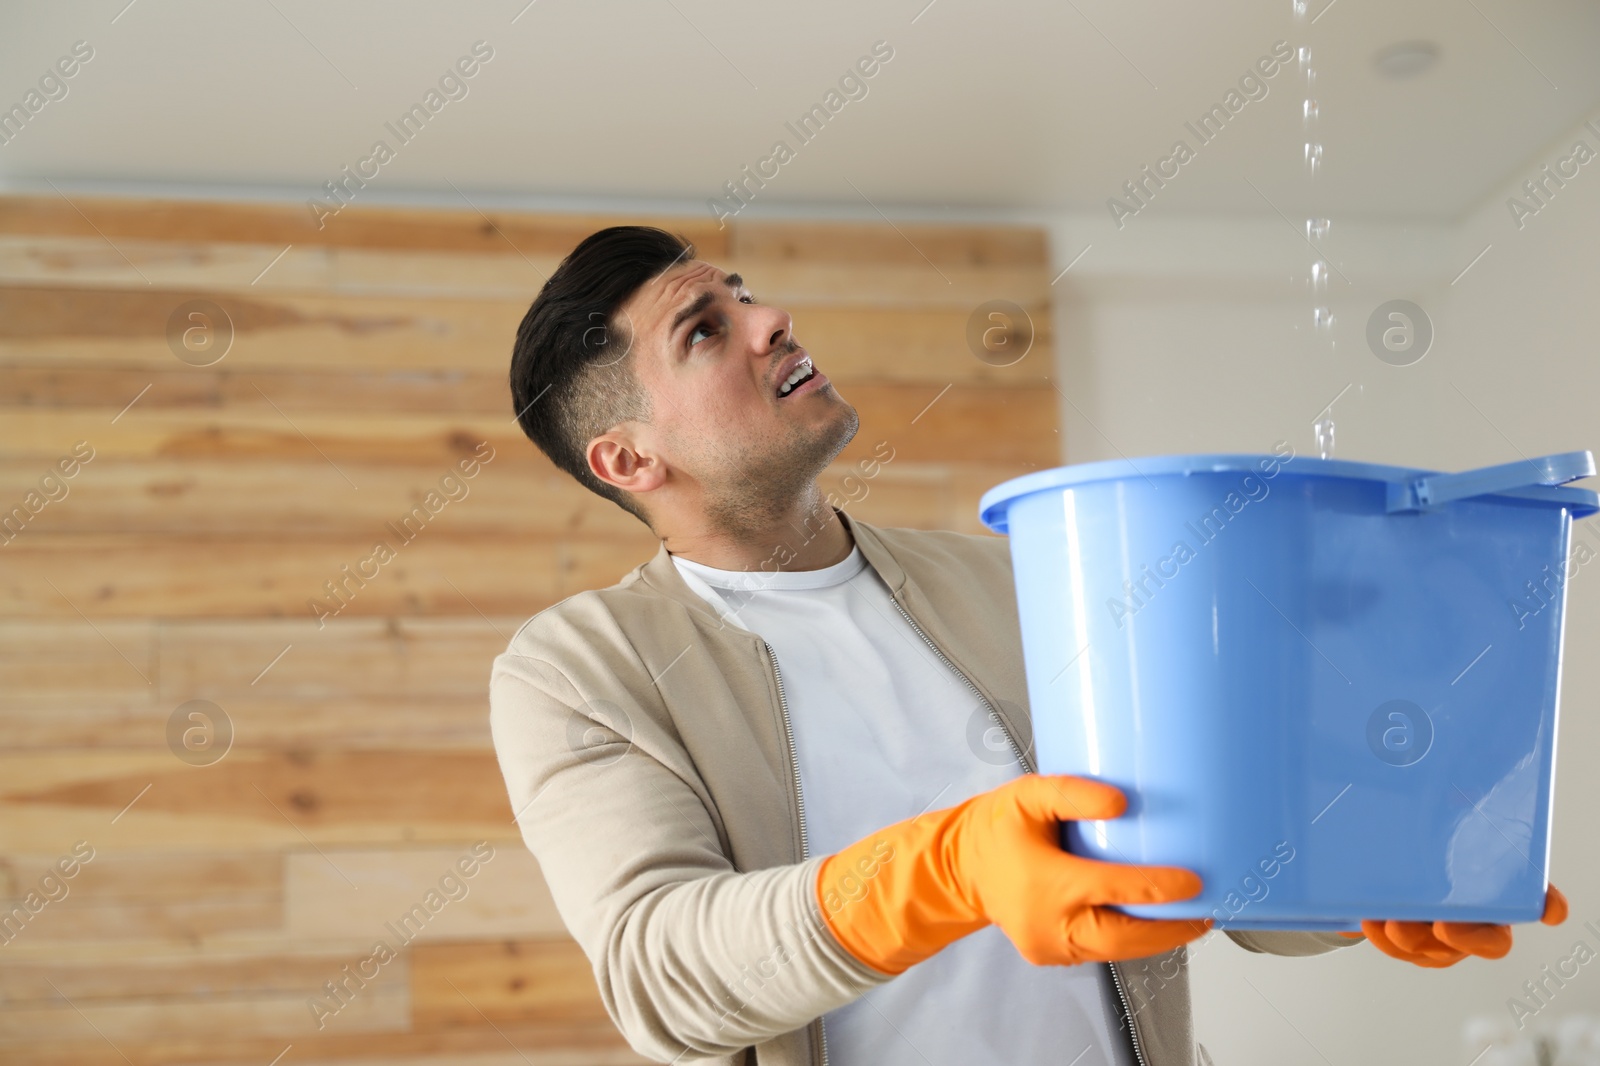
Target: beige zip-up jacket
648, 755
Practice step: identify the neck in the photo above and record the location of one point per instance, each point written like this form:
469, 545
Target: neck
808, 535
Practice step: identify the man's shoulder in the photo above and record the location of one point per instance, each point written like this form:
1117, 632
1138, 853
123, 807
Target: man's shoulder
587, 618
936, 547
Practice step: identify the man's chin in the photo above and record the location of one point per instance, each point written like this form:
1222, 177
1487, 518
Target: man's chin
843, 429
806, 455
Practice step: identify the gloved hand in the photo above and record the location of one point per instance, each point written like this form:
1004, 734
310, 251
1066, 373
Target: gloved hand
901, 894
1440, 944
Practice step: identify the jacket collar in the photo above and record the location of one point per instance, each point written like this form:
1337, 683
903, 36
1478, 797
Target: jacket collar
662, 576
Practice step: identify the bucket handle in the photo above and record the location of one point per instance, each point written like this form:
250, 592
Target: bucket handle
1416, 494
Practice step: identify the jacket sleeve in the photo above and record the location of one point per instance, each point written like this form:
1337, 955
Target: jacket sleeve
1289, 941
693, 959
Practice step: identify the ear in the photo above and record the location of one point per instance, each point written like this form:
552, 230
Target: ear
617, 459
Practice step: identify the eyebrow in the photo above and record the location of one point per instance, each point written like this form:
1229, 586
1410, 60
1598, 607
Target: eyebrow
700, 303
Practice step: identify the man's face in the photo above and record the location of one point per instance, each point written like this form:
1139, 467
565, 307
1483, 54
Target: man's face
713, 361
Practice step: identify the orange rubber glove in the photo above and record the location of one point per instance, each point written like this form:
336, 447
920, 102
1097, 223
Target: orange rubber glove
1440, 944
901, 894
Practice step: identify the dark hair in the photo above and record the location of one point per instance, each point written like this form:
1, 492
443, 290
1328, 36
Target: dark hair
572, 372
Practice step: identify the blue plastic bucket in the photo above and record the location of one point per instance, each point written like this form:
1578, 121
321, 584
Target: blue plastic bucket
1329, 688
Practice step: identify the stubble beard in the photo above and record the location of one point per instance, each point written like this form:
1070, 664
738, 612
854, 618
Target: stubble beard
766, 482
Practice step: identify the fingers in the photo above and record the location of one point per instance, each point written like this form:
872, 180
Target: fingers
1066, 796
1049, 798
1492, 941
1418, 939
1484, 939
1381, 936
1101, 934
1555, 906
1097, 882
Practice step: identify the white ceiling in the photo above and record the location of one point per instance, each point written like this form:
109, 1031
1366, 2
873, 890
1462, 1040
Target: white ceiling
1022, 106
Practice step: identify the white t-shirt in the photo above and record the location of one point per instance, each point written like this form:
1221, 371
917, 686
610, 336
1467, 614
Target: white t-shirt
884, 730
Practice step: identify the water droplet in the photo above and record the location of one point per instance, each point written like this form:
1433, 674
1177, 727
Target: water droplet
1323, 428
1319, 276
1309, 112
1313, 157
1299, 10
1304, 55
1322, 319
1317, 228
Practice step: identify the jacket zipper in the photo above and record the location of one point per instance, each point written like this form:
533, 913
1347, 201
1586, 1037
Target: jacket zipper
799, 802
993, 714
1116, 979
1127, 1010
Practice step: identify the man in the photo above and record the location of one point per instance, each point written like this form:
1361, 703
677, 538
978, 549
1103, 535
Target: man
745, 768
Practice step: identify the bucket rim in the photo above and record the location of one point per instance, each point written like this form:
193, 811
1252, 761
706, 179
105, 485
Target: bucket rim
992, 506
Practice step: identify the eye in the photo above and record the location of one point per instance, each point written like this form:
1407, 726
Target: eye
746, 298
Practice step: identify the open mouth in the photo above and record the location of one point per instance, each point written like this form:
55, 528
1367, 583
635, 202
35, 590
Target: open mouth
802, 373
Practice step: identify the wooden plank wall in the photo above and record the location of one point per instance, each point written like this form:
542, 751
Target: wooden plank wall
221, 896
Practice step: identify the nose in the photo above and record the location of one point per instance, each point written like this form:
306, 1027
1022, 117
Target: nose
780, 336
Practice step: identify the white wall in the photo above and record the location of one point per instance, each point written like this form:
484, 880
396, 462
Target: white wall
1193, 336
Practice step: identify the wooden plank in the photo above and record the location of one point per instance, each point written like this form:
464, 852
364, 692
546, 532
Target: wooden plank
93, 260
111, 878
493, 230
504, 1044
503, 980
905, 286
126, 431
878, 345
378, 1009
520, 492
506, 896
975, 423
382, 1006
356, 226
530, 1055
474, 275
968, 483
171, 973
183, 922
213, 266
111, 662
249, 800
276, 332
368, 722
107, 576
327, 388
375, 658
527, 495
972, 423
271, 330
413, 683
175, 898
905, 242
